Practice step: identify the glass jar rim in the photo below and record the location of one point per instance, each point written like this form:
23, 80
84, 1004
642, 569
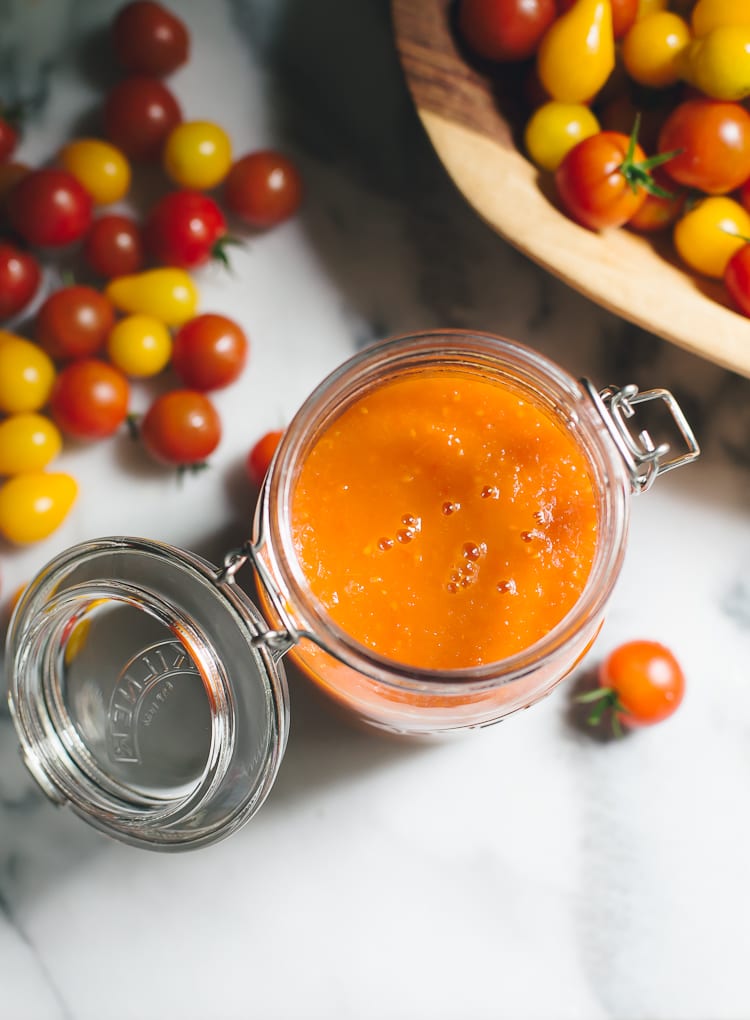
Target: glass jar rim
471, 351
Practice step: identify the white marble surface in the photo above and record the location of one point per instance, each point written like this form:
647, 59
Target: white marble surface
526, 871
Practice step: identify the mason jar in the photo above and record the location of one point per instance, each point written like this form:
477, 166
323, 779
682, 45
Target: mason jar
147, 686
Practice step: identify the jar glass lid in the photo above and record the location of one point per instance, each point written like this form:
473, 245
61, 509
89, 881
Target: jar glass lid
143, 695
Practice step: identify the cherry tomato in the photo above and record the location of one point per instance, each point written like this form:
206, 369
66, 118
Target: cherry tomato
19, 279
718, 63
168, 294
504, 29
260, 456
712, 139
8, 139
644, 681
594, 180
711, 232
624, 13
90, 399
49, 208
185, 229
139, 113
181, 427
114, 246
209, 352
554, 128
99, 167
140, 346
652, 48
74, 322
737, 278
32, 506
709, 14
28, 442
26, 375
263, 188
659, 211
646, 7
149, 39
198, 155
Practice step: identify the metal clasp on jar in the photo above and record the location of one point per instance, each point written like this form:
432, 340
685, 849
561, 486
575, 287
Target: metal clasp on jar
644, 459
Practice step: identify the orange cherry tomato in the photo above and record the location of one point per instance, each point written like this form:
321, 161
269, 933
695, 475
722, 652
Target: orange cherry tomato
645, 682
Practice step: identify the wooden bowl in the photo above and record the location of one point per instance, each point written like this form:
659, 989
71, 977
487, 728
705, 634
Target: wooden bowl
633, 276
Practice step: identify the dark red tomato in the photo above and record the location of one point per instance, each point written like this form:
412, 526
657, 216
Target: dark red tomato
737, 279
263, 188
8, 139
184, 228
19, 279
260, 456
181, 427
209, 352
594, 181
114, 246
505, 29
90, 399
74, 322
713, 139
49, 208
624, 13
149, 39
138, 115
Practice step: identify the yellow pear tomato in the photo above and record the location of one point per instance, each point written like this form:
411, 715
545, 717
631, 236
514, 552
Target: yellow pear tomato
577, 52
167, 294
711, 232
99, 167
32, 506
197, 154
28, 442
26, 375
652, 48
139, 345
554, 128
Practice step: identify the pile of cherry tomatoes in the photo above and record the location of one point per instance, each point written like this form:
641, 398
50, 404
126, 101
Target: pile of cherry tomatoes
640, 113
136, 315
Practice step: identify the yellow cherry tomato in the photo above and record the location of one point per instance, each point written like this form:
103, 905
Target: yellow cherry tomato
26, 375
32, 506
165, 294
139, 345
554, 129
99, 167
197, 154
710, 14
711, 232
577, 52
652, 48
719, 62
28, 442
646, 7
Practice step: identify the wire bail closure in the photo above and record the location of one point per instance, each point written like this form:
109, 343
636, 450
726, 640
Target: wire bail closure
644, 459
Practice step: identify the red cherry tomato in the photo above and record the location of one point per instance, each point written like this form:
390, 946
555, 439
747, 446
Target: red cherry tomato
49, 208
149, 39
260, 456
181, 427
138, 115
209, 352
644, 682
624, 13
19, 279
504, 29
593, 184
183, 229
90, 399
114, 247
8, 139
737, 278
263, 188
713, 139
74, 322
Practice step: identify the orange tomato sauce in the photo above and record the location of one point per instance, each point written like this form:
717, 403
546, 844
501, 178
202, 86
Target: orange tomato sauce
445, 521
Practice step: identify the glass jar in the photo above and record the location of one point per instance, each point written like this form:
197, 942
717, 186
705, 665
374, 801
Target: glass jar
148, 690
